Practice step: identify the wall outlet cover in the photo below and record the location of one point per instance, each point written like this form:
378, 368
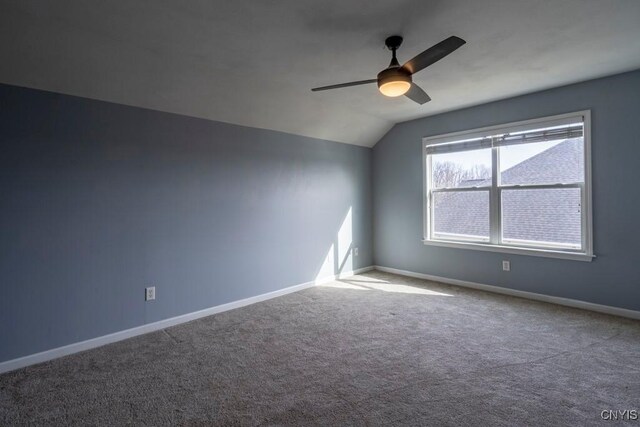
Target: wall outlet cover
150, 293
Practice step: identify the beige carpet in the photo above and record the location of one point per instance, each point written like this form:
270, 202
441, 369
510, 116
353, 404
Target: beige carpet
375, 349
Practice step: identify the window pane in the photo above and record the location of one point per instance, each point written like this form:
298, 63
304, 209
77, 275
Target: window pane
550, 162
547, 217
462, 169
461, 215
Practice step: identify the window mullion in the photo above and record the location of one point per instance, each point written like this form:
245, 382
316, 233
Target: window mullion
494, 199
540, 186
428, 219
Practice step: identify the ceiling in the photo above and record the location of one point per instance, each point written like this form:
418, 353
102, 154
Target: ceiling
253, 62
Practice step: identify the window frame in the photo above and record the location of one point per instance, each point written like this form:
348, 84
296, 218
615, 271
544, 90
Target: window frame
495, 244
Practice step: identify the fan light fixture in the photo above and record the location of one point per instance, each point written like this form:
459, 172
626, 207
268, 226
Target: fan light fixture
396, 88
393, 81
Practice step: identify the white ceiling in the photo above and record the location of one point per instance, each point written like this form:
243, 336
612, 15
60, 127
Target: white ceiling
253, 62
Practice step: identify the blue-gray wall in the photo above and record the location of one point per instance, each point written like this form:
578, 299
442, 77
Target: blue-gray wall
613, 278
99, 200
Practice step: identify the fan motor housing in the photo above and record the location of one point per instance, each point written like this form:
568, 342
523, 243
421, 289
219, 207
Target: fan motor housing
393, 74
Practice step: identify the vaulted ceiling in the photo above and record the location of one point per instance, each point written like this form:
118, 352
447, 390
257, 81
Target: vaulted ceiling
253, 62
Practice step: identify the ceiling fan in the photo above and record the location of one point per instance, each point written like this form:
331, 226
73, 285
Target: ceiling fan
396, 80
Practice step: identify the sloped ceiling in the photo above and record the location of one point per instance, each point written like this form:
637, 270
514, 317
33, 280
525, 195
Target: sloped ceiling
253, 62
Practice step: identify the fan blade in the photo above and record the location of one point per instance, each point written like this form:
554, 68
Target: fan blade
433, 54
415, 93
361, 82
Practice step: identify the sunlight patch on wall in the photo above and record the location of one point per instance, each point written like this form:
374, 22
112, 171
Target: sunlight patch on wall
345, 243
339, 258
327, 270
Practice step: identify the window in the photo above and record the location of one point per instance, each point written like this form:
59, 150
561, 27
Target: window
517, 188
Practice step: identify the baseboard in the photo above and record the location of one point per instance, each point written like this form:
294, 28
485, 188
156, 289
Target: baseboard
622, 312
66, 350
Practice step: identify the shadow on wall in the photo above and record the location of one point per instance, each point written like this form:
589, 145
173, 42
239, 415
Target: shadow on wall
339, 258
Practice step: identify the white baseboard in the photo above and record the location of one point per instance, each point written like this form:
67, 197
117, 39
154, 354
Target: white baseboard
622, 312
66, 350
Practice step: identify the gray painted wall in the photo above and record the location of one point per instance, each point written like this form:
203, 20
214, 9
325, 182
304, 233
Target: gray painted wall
99, 200
613, 278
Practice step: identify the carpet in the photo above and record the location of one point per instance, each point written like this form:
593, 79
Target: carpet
373, 349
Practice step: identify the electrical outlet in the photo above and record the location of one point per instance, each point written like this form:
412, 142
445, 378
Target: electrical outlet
506, 265
355, 251
150, 293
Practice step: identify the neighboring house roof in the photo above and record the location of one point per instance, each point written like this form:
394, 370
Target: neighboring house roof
550, 215
561, 163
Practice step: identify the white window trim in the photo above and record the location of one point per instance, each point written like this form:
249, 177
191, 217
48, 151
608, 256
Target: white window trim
587, 215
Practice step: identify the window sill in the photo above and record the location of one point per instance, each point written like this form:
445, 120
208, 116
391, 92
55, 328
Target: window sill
576, 256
